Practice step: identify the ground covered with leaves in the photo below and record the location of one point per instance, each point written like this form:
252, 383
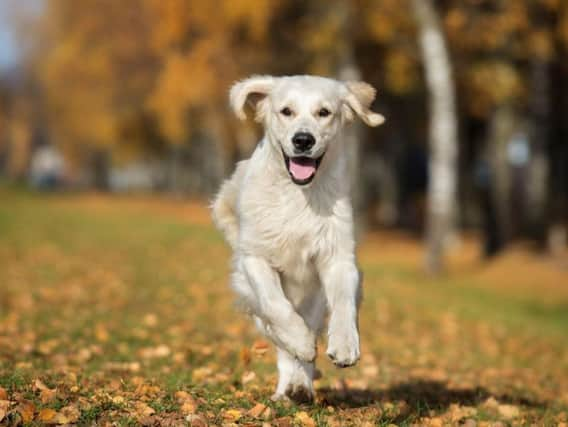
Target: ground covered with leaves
116, 311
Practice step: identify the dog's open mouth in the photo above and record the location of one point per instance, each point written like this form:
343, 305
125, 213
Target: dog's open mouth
302, 169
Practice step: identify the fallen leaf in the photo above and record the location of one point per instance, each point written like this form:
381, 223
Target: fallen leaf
188, 407
3, 394
4, 405
304, 419
491, 403
47, 395
143, 410
118, 400
26, 410
201, 373
283, 422
101, 333
232, 415
196, 420
260, 347
257, 410
245, 356
508, 411
247, 377
435, 422
187, 402
70, 414
47, 416
39, 385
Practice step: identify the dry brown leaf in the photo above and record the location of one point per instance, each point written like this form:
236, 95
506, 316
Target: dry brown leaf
283, 422
147, 390
101, 333
304, 419
260, 347
332, 421
39, 385
182, 395
200, 374
143, 410
118, 400
48, 416
257, 410
435, 422
26, 410
232, 415
245, 356
188, 407
247, 377
4, 405
3, 394
196, 420
491, 403
508, 411
70, 414
47, 395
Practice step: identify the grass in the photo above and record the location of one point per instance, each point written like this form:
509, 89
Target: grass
120, 308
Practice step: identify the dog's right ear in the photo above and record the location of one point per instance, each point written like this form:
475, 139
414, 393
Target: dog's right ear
254, 89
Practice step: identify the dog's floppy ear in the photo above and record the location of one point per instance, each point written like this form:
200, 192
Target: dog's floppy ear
359, 97
253, 89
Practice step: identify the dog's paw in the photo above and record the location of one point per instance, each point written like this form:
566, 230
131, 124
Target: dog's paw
298, 340
343, 347
297, 393
300, 394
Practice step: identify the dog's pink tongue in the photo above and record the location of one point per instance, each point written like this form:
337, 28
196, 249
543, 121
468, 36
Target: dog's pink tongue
302, 170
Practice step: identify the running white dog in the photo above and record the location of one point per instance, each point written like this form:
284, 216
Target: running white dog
286, 213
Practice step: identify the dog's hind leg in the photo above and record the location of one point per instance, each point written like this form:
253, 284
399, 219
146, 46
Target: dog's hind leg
224, 207
295, 378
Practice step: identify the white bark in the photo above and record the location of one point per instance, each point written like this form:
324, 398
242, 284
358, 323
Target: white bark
442, 132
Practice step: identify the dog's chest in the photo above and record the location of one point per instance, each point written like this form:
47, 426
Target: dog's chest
290, 235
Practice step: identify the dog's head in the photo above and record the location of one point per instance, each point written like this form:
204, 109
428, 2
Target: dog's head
304, 114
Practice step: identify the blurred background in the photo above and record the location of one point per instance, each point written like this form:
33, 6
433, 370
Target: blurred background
131, 97
115, 132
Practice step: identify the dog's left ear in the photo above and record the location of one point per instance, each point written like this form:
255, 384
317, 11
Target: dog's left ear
253, 89
359, 97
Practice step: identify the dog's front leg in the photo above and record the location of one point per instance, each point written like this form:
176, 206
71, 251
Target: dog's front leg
282, 323
341, 280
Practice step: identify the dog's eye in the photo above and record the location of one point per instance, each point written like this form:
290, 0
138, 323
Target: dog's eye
286, 112
324, 112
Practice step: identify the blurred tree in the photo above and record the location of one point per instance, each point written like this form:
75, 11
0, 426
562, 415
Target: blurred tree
442, 133
95, 71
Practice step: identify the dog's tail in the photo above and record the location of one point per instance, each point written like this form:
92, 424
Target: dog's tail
224, 207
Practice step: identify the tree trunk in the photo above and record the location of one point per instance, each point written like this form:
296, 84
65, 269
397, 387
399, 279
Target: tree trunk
538, 186
502, 128
101, 169
347, 70
442, 133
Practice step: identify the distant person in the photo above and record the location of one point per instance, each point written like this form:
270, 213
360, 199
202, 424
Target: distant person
47, 168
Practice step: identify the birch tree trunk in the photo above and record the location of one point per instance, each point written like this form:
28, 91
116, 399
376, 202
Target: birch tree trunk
442, 133
346, 69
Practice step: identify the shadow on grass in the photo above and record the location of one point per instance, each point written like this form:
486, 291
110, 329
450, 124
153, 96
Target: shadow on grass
420, 396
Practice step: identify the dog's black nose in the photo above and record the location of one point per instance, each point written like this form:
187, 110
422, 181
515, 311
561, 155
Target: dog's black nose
303, 141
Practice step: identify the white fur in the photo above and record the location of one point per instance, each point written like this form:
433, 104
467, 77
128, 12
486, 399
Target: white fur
294, 248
